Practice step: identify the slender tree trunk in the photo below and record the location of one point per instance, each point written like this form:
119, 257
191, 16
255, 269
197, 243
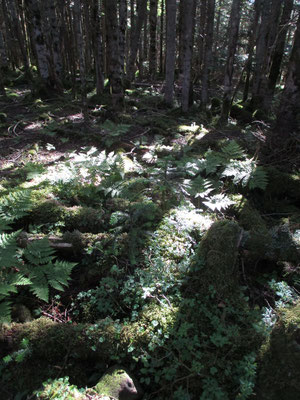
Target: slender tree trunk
98, 47
142, 10
278, 53
207, 62
161, 42
250, 47
171, 48
234, 24
201, 38
153, 47
188, 27
81, 54
122, 33
19, 35
113, 54
288, 120
55, 39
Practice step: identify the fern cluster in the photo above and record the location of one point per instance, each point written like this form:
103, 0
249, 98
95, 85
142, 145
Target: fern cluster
35, 266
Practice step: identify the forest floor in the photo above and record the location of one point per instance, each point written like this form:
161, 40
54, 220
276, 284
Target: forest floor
137, 203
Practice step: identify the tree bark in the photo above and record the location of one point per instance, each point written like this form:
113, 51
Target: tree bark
161, 43
207, 59
122, 32
171, 47
134, 46
98, 47
113, 54
188, 28
234, 24
278, 53
152, 29
288, 119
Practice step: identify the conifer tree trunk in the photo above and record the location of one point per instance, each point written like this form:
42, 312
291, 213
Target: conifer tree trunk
81, 54
152, 29
47, 79
113, 54
161, 42
288, 120
188, 28
170, 54
250, 47
122, 33
97, 39
18, 33
233, 33
207, 61
278, 53
55, 39
134, 45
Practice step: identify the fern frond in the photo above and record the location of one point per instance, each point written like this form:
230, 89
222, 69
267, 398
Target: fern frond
240, 170
258, 178
233, 150
8, 248
5, 312
218, 202
39, 252
39, 285
15, 205
213, 161
59, 274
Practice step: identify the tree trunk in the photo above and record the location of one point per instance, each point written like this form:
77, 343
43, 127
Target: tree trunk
19, 35
49, 84
188, 27
98, 47
161, 43
134, 46
81, 54
207, 60
152, 29
113, 54
288, 119
122, 32
171, 47
264, 48
250, 47
233, 30
278, 53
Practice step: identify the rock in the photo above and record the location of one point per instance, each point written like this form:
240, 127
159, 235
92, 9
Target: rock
117, 383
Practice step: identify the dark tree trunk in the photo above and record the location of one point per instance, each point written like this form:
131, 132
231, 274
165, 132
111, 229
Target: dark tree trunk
234, 24
171, 47
288, 120
113, 54
98, 47
207, 60
152, 29
187, 33
278, 53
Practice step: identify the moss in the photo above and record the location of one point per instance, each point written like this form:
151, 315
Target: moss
85, 219
279, 374
218, 251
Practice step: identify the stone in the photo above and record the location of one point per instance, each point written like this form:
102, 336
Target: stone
117, 383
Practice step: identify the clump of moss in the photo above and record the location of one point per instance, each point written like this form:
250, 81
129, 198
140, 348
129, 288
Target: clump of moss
85, 219
216, 258
279, 374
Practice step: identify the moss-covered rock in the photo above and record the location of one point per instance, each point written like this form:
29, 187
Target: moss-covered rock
279, 374
216, 258
116, 382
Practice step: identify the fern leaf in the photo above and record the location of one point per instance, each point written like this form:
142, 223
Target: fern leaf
5, 312
8, 248
258, 179
218, 202
233, 150
39, 252
59, 274
15, 205
213, 161
39, 285
6, 289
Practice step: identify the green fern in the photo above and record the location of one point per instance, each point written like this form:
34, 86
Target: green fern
233, 150
39, 252
14, 206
